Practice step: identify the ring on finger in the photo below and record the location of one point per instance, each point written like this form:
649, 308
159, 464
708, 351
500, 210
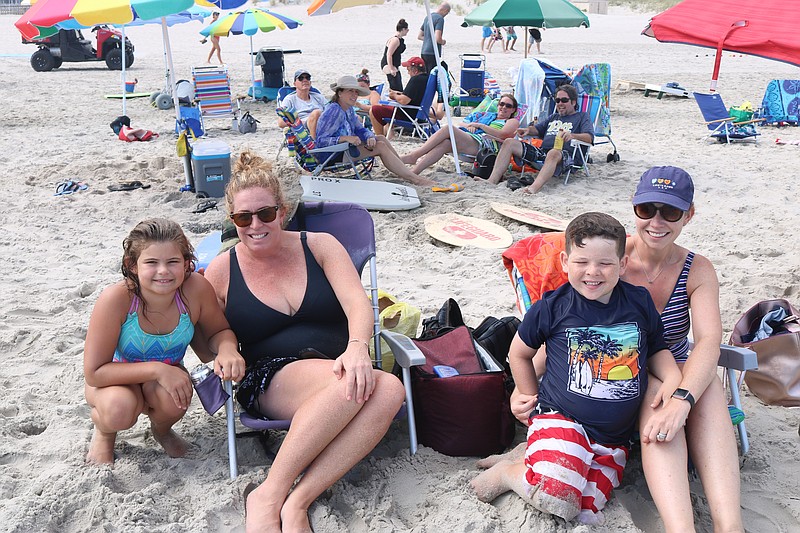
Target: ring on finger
661, 437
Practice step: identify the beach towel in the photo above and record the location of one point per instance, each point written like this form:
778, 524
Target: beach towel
781, 102
595, 80
136, 134
537, 260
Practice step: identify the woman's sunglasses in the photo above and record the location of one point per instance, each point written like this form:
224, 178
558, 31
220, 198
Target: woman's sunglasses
562, 100
668, 212
266, 215
505, 104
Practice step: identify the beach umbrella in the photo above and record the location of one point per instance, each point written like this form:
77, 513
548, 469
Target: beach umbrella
767, 28
535, 13
249, 22
324, 7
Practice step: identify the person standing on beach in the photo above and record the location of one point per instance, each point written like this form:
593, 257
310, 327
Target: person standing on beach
536, 37
138, 334
214, 41
390, 62
427, 53
511, 36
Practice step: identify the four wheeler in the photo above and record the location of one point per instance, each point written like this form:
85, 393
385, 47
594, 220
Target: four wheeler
70, 46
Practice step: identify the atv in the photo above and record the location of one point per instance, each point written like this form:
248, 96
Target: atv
70, 46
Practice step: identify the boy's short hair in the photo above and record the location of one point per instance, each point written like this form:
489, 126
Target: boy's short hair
595, 224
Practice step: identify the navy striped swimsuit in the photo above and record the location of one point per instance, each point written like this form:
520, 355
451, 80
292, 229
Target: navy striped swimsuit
676, 315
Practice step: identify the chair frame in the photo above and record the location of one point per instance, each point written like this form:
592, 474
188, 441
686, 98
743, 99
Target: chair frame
723, 128
421, 124
207, 87
311, 216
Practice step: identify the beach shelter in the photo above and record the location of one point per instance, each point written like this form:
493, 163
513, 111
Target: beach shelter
324, 7
767, 28
249, 22
534, 13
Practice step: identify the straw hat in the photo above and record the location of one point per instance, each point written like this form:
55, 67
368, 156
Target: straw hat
349, 82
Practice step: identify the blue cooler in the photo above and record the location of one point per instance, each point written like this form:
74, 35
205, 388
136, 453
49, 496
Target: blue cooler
211, 166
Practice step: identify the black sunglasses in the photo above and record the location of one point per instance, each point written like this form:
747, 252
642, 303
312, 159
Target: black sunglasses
304, 77
266, 215
505, 104
647, 211
562, 100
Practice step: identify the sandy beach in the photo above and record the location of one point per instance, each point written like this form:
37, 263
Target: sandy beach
59, 252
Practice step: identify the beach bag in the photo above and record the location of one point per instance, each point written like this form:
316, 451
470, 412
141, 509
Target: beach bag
248, 123
484, 160
495, 335
741, 113
777, 379
136, 134
527, 168
397, 316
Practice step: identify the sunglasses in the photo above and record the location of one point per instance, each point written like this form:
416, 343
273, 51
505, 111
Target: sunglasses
304, 77
668, 212
562, 100
504, 104
266, 215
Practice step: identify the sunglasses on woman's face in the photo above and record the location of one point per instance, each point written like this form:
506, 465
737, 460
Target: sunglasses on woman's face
562, 100
266, 215
668, 212
505, 104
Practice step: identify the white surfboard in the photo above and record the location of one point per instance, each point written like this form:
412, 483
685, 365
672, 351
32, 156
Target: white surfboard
208, 249
374, 195
529, 216
459, 230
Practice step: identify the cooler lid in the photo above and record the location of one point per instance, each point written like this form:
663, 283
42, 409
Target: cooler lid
210, 147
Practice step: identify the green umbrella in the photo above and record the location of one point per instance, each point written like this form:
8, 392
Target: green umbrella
536, 13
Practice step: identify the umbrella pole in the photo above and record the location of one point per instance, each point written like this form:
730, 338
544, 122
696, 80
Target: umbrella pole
124, 60
170, 66
443, 83
252, 70
526, 43
718, 58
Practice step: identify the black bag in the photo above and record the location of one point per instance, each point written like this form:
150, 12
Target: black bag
484, 160
248, 123
464, 415
120, 121
496, 334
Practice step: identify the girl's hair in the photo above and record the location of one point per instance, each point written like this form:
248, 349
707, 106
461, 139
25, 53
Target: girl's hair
402, 24
251, 171
364, 76
510, 97
147, 232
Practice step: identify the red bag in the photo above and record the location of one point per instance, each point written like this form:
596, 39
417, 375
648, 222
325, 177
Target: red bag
463, 415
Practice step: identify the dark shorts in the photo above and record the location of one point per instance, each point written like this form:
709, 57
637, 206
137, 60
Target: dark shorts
536, 35
531, 154
257, 378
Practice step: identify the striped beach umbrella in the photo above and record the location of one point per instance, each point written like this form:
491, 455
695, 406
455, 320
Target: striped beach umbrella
324, 7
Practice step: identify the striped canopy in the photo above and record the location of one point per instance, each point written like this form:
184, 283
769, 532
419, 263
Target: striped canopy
249, 22
324, 7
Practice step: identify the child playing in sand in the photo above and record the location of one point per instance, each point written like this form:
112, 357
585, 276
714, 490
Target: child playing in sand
138, 334
600, 335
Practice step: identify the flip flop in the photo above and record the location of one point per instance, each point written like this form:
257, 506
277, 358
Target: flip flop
69, 187
453, 187
202, 207
127, 186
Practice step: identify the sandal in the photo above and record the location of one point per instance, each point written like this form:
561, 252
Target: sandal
202, 207
127, 186
453, 187
69, 187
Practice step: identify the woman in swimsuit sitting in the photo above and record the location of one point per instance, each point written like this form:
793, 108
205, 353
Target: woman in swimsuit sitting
285, 293
148, 319
469, 137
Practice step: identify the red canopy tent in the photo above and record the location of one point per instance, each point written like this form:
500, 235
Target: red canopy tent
765, 28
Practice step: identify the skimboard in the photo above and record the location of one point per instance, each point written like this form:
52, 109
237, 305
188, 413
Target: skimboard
127, 95
529, 216
208, 249
459, 230
374, 195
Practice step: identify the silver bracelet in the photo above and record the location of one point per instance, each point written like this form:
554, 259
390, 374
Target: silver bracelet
358, 340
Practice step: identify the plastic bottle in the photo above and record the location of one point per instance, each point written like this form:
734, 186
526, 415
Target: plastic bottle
558, 144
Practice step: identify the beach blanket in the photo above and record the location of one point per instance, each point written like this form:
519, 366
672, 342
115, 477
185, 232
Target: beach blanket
781, 102
537, 259
595, 80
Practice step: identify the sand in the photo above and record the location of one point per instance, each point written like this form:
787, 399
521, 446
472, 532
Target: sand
59, 252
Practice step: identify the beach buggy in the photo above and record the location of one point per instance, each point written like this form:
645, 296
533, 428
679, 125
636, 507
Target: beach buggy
70, 46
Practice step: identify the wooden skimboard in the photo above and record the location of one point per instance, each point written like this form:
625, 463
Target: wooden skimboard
374, 195
459, 230
529, 216
208, 249
127, 95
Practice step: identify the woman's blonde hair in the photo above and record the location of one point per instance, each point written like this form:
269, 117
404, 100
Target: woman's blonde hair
251, 171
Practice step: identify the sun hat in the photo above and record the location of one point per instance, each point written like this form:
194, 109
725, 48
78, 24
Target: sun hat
300, 72
414, 61
665, 185
349, 82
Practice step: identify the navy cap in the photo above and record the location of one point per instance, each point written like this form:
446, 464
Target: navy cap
665, 185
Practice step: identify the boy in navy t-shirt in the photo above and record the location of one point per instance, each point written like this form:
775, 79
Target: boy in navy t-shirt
602, 335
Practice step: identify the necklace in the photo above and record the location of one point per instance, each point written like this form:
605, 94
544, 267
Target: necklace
646, 275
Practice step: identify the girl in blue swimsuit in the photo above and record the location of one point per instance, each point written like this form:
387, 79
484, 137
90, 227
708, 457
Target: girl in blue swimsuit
138, 334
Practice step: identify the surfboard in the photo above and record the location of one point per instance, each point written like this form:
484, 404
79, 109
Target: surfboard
374, 195
208, 249
127, 95
459, 230
529, 216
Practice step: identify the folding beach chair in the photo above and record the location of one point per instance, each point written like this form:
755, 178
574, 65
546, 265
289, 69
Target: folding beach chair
723, 127
283, 92
534, 267
594, 79
309, 158
353, 226
420, 124
212, 92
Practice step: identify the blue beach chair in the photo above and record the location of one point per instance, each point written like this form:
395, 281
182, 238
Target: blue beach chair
420, 124
720, 124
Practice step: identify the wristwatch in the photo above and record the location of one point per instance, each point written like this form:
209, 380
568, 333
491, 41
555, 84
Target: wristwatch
683, 394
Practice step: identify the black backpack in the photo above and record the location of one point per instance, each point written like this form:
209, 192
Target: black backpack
484, 161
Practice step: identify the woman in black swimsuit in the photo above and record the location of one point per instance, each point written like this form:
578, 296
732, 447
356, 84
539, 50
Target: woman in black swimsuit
284, 292
390, 62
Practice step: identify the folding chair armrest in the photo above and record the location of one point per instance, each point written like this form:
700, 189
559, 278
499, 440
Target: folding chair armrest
341, 147
735, 357
576, 143
751, 121
728, 119
405, 352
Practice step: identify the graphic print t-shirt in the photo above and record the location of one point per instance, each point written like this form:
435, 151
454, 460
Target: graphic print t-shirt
577, 122
596, 356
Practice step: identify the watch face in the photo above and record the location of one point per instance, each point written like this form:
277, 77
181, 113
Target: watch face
680, 393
